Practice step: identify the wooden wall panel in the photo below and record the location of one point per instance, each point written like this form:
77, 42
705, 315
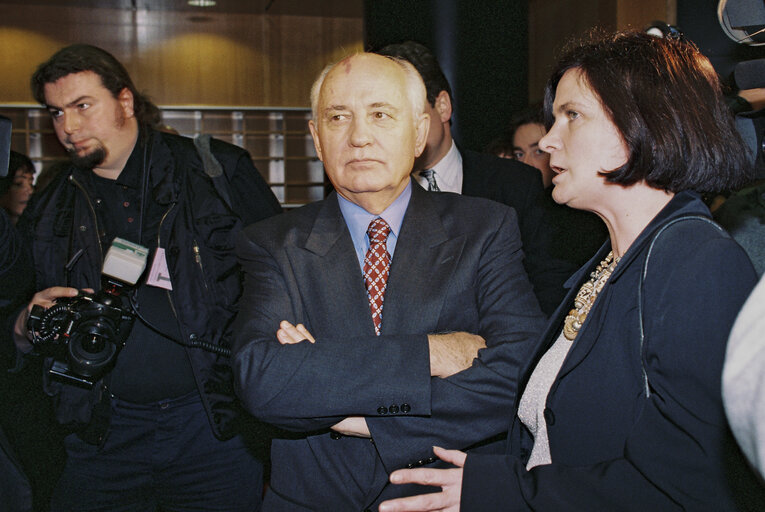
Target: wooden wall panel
636, 15
554, 22
181, 59
326, 39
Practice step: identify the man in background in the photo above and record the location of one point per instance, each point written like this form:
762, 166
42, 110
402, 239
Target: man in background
445, 167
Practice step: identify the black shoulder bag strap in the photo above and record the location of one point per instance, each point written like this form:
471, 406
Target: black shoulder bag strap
646, 384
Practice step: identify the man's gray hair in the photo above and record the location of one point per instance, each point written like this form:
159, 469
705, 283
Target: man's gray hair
415, 87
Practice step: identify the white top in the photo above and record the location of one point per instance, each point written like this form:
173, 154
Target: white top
743, 380
533, 402
448, 172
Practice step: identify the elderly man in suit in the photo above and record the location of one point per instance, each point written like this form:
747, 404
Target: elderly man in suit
383, 320
445, 167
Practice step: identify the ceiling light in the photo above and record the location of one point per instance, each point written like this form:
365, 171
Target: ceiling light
202, 3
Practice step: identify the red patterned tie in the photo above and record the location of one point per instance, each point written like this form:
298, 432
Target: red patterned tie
376, 267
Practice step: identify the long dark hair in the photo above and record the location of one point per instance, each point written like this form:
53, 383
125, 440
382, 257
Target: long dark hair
77, 58
16, 161
665, 99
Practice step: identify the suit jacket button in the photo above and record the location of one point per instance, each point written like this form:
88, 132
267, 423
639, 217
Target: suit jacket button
549, 416
405, 408
431, 460
382, 410
335, 435
409, 466
420, 462
393, 409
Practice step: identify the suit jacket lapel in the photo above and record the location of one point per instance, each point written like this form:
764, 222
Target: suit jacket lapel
583, 344
330, 281
423, 264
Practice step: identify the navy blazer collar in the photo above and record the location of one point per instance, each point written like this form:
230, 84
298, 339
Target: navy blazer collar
425, 258
683, 203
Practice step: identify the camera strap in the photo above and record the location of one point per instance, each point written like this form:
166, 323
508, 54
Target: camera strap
96, 430
148, 148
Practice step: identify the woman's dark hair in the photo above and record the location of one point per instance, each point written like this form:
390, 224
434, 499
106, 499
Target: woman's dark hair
503, 144
500, 146
77, 58
664, 98
16, 161
532, 114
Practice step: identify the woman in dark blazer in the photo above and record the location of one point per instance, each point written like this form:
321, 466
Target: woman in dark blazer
621, 407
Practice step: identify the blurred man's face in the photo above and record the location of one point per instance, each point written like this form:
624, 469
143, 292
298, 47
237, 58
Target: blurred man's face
526, 149
97, 129
366, 133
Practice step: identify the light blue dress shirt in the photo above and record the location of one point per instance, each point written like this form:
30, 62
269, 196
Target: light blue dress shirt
357, 219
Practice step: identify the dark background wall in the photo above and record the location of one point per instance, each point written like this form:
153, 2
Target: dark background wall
482, 46
497, 54
697, 19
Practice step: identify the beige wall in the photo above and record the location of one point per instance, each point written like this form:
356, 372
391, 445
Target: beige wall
179, 59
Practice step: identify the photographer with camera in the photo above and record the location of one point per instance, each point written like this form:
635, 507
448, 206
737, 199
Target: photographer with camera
154, 423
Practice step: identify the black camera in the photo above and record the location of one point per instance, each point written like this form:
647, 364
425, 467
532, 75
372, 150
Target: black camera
84, 334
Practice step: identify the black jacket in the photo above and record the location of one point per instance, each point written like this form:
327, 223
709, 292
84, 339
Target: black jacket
198, 230
15, 488
548, 259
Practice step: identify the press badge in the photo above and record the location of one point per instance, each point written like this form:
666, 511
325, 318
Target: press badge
158, 274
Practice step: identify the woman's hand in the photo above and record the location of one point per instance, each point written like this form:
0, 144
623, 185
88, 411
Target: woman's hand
449, 480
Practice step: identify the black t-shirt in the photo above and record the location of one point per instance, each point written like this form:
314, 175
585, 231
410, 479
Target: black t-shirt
151, 366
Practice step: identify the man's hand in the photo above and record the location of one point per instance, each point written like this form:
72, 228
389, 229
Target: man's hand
449, 480
451, 353
289, 334
45, 298
353, 426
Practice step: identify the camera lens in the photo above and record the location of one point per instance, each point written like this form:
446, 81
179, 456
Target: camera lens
90, 354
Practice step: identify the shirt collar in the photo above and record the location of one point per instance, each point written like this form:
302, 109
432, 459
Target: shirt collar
131, 175
357, 219
448, 172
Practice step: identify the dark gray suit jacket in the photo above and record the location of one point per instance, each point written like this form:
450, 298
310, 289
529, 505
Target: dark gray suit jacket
457, 267
508, 182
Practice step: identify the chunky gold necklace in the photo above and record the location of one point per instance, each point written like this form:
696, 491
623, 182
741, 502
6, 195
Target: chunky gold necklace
587, 295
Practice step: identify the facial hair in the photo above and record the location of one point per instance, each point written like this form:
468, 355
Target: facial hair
97, 156
89, 160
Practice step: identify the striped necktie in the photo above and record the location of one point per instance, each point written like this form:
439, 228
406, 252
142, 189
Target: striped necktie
430, 175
